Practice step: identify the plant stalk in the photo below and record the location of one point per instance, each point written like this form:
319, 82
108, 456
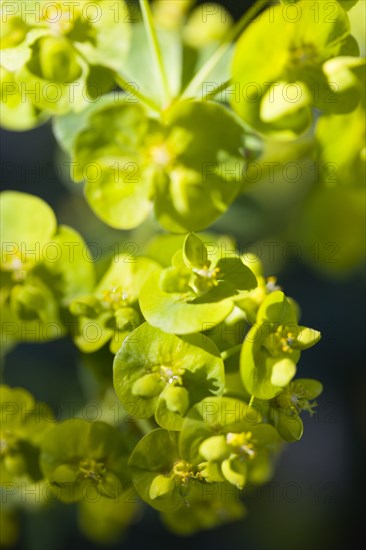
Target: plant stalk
123, 83
155, 49
230, 352
225, 45
144, 426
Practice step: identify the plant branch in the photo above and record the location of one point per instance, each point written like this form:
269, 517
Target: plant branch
123, 83
155, 48
225, 45
230, 352
145, 426
219, 88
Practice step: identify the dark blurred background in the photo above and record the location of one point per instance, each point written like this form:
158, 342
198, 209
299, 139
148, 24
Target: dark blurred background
316, 498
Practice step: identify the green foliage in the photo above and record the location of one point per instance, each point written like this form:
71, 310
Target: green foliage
304, 65
285, 408
64, 52
17, 111
195, 292
334, 213
272, 347
130, 162
163, 374
43, 267
104, 520
77, 454
111, 311
23, 424
228, 440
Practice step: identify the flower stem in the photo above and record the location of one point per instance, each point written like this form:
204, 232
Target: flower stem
225, 45
155, 48
230, 352
219, 88
251, 401
144, 425
123, 83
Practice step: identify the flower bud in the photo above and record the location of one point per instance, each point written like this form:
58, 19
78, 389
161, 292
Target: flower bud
126, 317
161, 487
306, 338
28, 302
235, 471
87, 307
207, 23
58, 60
283, 371
65, 474
148, 386
15, 464
177, 399
110, 486
214, 448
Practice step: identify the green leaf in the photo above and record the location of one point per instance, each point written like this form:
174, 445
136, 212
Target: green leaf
54, 96
25, 219
197, 193
147, 387
283, 371
331, 216
18, 113
153, 366
194, 252
207, 509
306, 338
264, 375
235, 471
277, 86
277, 309
171, 313
275, 104
290, 427
57, 59
103, 520
112, 36
194, 60
67, 127
116, 199
92, 335
211, 417
161, 487
94, 451
138, 69
117, 187
14, 58
162, 247
177, 399
173, 280
111, 312
313, 388
347, 4
214, 448
24, 424
72, 264
151, 460
234, 272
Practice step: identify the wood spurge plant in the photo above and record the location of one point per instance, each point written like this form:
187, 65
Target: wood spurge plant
161, 109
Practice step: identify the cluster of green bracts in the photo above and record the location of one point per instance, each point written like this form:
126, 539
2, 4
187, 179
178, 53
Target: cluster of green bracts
143, 149
214, 417
206, 348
